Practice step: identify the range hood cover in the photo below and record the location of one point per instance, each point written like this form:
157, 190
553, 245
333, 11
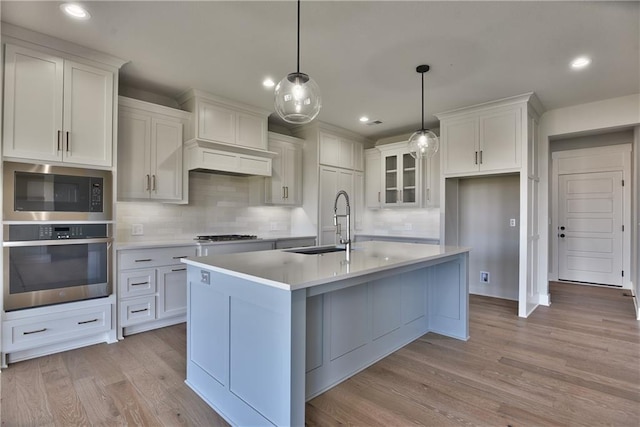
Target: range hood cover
214, 157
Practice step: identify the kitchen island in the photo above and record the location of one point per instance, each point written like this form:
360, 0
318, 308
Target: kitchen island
267, 331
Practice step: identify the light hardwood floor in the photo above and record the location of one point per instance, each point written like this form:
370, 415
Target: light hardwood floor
574, 363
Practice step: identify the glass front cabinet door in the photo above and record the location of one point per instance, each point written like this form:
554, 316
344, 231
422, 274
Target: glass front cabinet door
400, 175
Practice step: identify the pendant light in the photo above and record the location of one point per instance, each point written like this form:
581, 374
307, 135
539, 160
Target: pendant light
297, 96
423, 143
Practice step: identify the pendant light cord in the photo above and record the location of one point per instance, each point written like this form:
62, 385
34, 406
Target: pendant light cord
298, 69
422, 101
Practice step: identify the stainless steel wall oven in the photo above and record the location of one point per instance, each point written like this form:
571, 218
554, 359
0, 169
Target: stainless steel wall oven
53, 263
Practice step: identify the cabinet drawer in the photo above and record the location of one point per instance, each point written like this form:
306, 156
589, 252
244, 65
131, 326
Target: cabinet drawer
137, 310
33, 332
137, 283
141, 258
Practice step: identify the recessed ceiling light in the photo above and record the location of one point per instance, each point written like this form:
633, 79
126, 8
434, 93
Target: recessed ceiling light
364, 119
580, 62
75, 11
268, 82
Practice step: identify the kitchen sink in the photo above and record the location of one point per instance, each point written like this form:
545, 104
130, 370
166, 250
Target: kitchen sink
316, 250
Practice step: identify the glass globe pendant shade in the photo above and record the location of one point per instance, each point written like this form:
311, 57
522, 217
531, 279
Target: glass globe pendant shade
423, 143
297, 98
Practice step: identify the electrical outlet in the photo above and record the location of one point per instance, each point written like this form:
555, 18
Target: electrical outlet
512, 222
273, 226
205, 277
485, 277
137, 229
408, 226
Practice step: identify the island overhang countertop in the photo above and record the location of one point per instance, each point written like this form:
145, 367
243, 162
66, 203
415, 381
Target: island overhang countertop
288, 270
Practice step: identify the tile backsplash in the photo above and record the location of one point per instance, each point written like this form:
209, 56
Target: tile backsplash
403, 222
218, 204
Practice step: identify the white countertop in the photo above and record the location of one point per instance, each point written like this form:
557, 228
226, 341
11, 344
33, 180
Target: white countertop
188, 242
291, 271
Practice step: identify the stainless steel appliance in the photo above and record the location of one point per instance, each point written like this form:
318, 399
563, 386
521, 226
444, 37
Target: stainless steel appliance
225, 237
207, 243
53, 263
53, 193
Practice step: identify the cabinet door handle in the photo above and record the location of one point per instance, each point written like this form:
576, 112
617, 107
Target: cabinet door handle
139, 283
68, 143
378, 197
153, 182
401, 196
179, 269
428, 194
476, 161
143, 260
286, 190
37, 331
140, 311
180, 257
480, 156
148, 182
58, 140
283, 193
87, 321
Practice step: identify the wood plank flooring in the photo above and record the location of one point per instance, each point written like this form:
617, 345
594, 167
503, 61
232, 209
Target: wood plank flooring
574, 363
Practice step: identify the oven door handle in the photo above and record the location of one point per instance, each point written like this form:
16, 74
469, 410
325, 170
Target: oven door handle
19, 244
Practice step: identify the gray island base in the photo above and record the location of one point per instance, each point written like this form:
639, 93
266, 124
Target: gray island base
267, 331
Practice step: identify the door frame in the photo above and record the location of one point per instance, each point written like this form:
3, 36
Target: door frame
610, 158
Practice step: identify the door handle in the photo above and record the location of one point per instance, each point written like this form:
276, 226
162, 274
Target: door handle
562, 227
148, 182
562, 236
59, 137
480, 156
153, 182
68, 144
476, 160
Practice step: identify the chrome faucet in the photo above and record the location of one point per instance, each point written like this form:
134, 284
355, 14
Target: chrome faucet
347, 215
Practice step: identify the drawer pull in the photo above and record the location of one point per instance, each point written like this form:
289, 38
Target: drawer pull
180, 257
179, 269
87, 321
34, 332
143, 260
140, 283
140, 311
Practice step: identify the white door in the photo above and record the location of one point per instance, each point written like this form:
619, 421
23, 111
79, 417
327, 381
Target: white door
32, 104
88, 115
590, 228
166, 159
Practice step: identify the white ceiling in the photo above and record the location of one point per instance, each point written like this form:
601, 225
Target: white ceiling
362, 54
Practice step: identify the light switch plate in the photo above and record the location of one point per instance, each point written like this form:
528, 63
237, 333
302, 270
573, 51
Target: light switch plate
137, 229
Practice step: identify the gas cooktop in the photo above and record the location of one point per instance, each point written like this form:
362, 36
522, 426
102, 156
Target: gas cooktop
225, 237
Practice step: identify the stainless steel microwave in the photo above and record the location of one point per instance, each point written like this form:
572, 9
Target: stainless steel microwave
34, 192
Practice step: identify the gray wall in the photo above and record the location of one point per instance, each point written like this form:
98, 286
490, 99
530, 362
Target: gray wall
485, 206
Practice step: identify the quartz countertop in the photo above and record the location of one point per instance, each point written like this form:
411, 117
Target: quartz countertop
188, 242
290, 271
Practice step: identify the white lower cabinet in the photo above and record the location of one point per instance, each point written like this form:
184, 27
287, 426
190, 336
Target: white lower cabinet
45, 330
152, 287
172, 291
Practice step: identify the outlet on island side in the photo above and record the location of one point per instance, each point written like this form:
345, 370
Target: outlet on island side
485, 277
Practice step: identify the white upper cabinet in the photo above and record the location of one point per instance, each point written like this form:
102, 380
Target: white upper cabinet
340, 152
56, 109
284, 187
483, 139
225, 122
373, 174
150, 162
395, 179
